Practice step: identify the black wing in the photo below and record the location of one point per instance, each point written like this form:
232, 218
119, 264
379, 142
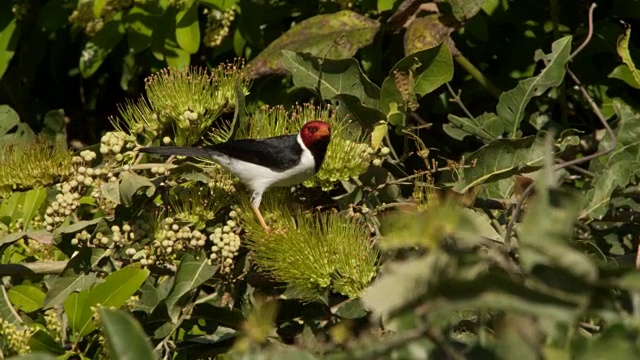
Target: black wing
278, 153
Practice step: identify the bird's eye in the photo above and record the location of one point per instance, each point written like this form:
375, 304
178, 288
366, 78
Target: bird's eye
313, 130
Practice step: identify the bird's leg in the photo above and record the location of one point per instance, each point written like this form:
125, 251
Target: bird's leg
256, 198
260, 218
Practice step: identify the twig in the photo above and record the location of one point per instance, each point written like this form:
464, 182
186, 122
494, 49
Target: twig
186, 313
603, 121
334, 43
458, 100
589, 34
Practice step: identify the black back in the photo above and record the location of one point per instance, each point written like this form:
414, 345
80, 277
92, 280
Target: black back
278, 153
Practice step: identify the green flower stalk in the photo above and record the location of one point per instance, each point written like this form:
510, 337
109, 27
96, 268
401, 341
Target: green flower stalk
35, 163
312, 253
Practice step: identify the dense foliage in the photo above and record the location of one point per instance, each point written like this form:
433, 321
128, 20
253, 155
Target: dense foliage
479, 197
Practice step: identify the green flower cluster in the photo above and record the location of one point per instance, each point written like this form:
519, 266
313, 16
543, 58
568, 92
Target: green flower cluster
218, 24
16, 337
182, 104
312, 253
34, 163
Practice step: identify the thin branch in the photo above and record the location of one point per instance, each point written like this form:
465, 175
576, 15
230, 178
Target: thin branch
589, 34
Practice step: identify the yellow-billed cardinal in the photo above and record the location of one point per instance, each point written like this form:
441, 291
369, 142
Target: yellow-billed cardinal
263, 163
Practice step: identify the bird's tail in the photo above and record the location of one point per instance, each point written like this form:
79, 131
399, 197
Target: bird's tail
177, 150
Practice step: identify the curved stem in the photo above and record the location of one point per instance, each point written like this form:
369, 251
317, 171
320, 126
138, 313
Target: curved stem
478, 75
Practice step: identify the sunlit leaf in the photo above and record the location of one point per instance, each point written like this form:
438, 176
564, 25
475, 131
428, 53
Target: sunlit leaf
191, 273
27, 298
338, 36
338, 77
188, 29
512, 104
124, 336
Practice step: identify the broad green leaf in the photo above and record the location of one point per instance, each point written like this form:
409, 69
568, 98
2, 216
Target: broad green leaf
500, 159
618, 168
8, 35
100, 45
53, 16
8, 119
75, 227
124, 336
131, 183
65, 284
7, 312
425, 33
77, 310
384, 5
191, 273
338, 36
31, 204
27, 298
622, 72
421, 73
512, 104
116, 289
623, 50
111, 191
140, 24
350, 108
42, 236
351, 309
465, 9
10, 207
338, 77
188, 29
42, 341
487, 127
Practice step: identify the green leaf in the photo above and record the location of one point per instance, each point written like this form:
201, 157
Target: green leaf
622, 72
42, 236
140, 24
350, 108
97, 7
8, 36
130, 184
75, 227
487, 127
27, 298
425, 33
429, 69
511, 105
191, 273
384, 5
619, 168
116, 289
351, 309
42, 341
7, 312
623, 50
317, 36
65, 284
338, 77
124, 336
100, 45
501, 159
31, 204
77, 310
8, 119
465, 9
111, 191
188, 29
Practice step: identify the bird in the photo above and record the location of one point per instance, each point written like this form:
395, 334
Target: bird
261, 164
